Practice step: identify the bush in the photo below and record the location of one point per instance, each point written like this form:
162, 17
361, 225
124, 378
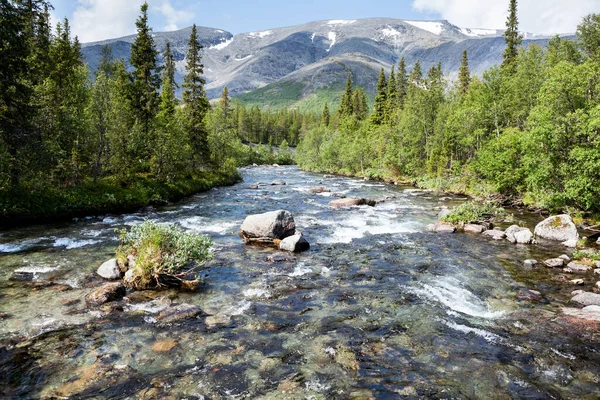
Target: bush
586, 255
474, 211
163, 255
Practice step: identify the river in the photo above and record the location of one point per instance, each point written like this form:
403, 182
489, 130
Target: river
379, 308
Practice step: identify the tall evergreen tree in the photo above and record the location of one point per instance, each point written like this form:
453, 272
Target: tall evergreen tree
359, 104
392, 95
107, 62
464, 75
146, 74
381, 104
325, 116
512, 37
195, 102
402, 83
346, 103
225, 103
416, 75
169, 68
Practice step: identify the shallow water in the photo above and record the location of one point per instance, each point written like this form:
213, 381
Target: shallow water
378, 308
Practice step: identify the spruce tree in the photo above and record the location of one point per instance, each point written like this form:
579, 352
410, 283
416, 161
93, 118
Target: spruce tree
169, 68
464, 75
107, 64
402, 83
146, 74
513, 39
346, 103
380, 110
195, 102
392, 95
225, 103
326, 116
359, 104
416, 75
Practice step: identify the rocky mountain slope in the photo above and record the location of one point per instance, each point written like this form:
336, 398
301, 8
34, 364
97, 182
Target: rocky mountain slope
300, 63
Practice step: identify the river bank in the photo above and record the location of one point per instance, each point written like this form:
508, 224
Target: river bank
378, 308
107, 196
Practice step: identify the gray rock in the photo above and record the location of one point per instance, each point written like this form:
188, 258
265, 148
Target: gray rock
110, 270
495, 234
587, 299
277, 258
294, 244
576, 292
444, 213
570, 243
517, 234
529, 295
559, 228
338, 195
577, 268
278, 183
555, 263
597, 271
443, 227
472, 228
530, 263
319, 189
271, 225
352, 203
565, 257
179, 313
590, 313
578, 282
106, 293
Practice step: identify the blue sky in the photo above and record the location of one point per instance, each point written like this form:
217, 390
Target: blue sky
102, 19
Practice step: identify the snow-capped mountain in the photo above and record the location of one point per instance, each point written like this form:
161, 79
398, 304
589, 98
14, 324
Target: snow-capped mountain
318, 54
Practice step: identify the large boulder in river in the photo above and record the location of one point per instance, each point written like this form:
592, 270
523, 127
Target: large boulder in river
294, 244
275, 225
110, 270
559, 228
352, 203
517, 234
106, 293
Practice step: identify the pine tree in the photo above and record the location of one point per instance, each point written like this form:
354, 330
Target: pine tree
326, 116
346, 103
392, 96
379, 114
169, 68
146, 74
402, 83
416, 75
195, 102
513, 39
359, 104
464, 75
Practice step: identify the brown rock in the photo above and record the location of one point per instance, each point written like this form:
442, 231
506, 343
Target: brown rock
352, 203
163, 346
179, 313
106, 293
472, 228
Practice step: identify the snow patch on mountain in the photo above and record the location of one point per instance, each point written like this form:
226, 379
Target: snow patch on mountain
221, 46
390, 32
341, 22
430, 26
478, 32
332, 38
260, 34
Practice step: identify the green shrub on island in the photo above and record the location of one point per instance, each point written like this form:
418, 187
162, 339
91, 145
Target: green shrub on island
586, 255
162, 256
474, 212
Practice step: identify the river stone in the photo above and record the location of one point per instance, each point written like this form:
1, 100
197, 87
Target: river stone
295, 244
495, 234
565, 257
472, 228
278, 183
319, 189
587, 299
106, 293
530, 263
597, 271
272, 225
110, 270
555, 263
517, 234
578, 282
570, 243
444, 227
277, 258
578, 268
179, 313
591, 313
444, 213
352, 203
559, 228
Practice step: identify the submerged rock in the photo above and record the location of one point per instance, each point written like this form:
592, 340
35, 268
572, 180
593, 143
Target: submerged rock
110, 270
352, 203
268, 226
319, 189
278, 183
179, 313
591, 313
495, 234
530, 263
164, 346
559, 228
106, 293
529, 295
294, 244
277, 258
578, 268
587, 299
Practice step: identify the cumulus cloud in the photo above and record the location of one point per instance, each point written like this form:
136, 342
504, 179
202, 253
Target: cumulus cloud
548, 16
95, 20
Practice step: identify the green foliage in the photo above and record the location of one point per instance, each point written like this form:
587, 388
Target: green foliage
474, 211
160, 249
586, 255
512, 37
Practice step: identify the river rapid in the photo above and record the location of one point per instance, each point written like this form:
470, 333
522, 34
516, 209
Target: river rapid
379, 308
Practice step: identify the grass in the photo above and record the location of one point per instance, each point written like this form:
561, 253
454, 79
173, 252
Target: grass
586, 255
44, 204
162, 255
474, 211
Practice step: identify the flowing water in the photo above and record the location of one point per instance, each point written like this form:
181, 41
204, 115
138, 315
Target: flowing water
379, 308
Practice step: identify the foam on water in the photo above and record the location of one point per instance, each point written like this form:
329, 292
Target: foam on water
449, 292
36, 270
488, 336
12, 247
70, 243
201, 224
300, 270
257, 293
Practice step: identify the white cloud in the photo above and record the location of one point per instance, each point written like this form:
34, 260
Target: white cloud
95, 20
548, 16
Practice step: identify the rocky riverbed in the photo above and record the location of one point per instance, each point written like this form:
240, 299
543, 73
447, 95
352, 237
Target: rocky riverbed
378, 308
